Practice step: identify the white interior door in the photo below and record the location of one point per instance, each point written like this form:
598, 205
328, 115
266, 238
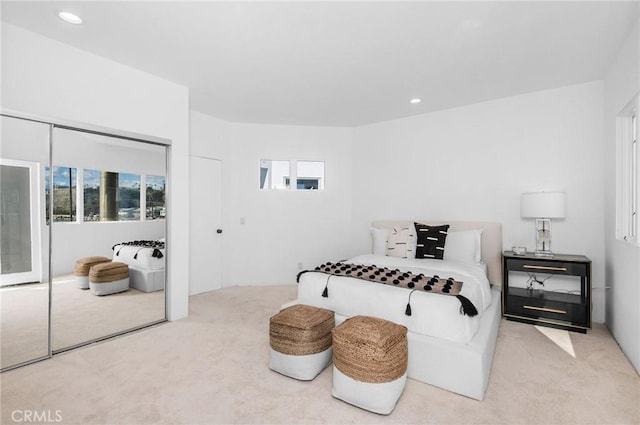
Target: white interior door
20, 222
205, 251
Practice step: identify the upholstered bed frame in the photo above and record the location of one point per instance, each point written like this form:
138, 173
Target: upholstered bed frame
461, 368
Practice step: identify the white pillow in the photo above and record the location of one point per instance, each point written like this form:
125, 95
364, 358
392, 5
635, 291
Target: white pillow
464, 246
399, 242
379, 237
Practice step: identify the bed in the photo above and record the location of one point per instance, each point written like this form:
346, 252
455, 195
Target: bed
146, 260
448, 347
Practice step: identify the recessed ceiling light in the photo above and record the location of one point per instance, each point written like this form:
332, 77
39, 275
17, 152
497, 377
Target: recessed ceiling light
415, 101
70, 18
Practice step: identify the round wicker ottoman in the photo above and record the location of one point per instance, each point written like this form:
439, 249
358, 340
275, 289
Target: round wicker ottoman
82, 266
109, 278
300, 340
369, 363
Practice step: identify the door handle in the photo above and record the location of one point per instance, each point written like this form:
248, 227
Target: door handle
219, 231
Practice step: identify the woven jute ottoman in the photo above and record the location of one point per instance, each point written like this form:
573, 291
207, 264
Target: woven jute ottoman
109, 278
82, 267
369, 363
300, 340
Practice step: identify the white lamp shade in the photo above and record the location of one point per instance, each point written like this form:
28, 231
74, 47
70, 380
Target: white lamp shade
542, 205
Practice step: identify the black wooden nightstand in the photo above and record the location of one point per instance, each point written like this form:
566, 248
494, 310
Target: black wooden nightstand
570, 311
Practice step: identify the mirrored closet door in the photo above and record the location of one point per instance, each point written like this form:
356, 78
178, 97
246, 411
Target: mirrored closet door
24, 242
108, 201
69, 194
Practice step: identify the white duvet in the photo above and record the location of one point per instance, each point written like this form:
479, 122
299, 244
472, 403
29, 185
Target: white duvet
433, 314
138, 257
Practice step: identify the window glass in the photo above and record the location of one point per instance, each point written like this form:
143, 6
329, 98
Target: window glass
64, 193
310, 175
274, 174
628, 175
128, 197
110, 196
155, 195
91, 195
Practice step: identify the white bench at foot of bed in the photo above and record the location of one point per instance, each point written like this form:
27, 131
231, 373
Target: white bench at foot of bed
146, 280
460, 368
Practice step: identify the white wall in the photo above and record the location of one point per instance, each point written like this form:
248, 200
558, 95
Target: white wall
623, 259
473, 162
51, 79
282, 228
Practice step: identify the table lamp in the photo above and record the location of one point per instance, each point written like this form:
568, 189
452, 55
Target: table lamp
543, 206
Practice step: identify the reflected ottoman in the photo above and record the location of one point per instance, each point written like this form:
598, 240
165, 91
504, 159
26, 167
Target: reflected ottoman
369, 363
109, 278
300, 340
82, 267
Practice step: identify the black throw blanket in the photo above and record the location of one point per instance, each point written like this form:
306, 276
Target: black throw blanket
395, 277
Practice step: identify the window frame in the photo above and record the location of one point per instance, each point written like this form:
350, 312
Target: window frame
291, 180
628, 172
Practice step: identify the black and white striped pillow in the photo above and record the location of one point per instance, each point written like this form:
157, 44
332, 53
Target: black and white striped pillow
431, 240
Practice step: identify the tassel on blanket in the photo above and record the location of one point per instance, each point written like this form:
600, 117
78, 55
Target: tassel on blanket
135, 257
325, 293
407, 311
467, 306
157, 253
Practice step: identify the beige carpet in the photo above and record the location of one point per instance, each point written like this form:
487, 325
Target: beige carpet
213, 368
77, 316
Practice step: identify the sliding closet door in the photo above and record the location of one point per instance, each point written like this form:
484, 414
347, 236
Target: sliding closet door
106, 191
24, 261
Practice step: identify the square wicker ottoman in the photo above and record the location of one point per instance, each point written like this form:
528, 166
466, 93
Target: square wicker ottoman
369, 363
109, 278
300, 340
82, 267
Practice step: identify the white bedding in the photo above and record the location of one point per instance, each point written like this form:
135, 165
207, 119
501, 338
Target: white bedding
433, 315
143, 260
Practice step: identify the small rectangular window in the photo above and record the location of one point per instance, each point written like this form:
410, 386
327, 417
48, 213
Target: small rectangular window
111, 196
64, 193
91, 195
155, 196
128, 197
274, 175
310, 175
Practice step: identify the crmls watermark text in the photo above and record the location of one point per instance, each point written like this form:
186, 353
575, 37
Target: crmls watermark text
36, 416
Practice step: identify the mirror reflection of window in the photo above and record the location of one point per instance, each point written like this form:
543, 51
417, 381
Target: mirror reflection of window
91, 195
310, 175
64, 193
155, 196
274, 175
128, 197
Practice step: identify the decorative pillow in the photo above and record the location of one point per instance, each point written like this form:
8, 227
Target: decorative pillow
464, 246
398, 242
379, 237
431, 241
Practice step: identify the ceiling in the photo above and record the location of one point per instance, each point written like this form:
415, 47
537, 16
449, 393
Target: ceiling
343, 63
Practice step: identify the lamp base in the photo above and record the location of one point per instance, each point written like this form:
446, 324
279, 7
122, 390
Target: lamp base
543, 237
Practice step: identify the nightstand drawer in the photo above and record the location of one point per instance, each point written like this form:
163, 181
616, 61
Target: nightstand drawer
545, 266
573, 312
